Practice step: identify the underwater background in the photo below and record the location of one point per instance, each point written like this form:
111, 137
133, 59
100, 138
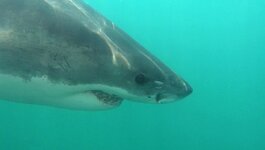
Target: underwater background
218, 46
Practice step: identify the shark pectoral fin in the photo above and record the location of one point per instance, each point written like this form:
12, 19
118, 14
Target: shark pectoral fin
91, 100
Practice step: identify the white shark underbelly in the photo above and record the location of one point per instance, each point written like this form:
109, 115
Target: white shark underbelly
44, 92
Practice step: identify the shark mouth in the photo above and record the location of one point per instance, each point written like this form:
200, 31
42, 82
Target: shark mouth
106, 98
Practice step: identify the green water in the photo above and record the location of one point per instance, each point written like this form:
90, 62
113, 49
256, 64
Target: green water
218, 46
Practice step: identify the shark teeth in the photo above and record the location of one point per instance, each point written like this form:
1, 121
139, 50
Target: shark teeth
106, 98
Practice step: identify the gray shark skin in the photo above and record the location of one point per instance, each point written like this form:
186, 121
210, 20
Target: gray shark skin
63, 53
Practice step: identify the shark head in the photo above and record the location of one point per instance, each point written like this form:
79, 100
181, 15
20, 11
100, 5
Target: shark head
138, 75
72, 56
121, 67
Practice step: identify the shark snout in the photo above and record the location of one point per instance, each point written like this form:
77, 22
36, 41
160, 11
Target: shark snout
177, 90
187, 89
180, 88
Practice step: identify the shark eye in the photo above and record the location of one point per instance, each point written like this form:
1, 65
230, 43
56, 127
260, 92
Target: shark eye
141, 79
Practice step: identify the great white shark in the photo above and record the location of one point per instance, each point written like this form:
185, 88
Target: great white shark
63, 53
